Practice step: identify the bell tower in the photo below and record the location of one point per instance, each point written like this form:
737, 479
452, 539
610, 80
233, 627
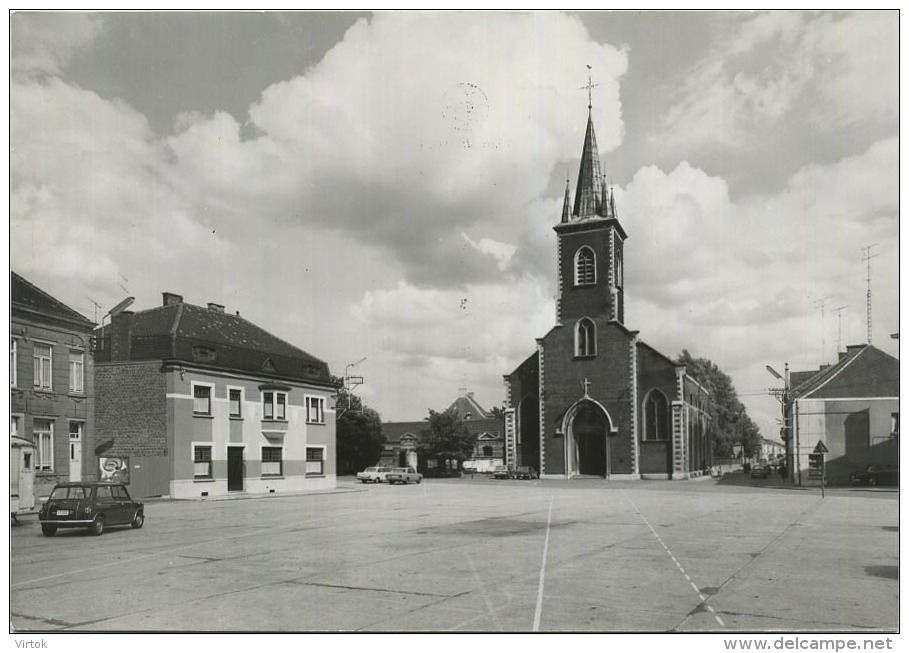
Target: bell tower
591, 243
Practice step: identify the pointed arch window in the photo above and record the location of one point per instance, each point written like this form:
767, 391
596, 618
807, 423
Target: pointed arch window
585, 338
585, 267
618, 268
656, 416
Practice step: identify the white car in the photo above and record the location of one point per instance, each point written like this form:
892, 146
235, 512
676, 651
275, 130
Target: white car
373, 474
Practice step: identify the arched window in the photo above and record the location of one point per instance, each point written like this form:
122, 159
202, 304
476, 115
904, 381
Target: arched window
585, 267
585, 338
656, 416
618, 268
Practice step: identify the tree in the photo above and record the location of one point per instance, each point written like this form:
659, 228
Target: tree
497, 412
731, 424
446, 437
359, 436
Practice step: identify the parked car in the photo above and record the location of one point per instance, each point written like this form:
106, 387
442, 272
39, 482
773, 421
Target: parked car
525, 473
760, 471
373, 474
92, 505
502, 471
875, 475
403, 475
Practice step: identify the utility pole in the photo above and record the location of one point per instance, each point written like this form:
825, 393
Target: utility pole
866, 258
839, 328
96, 305
788, 428
351, 382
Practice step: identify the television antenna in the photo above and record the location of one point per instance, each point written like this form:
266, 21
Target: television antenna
839, 327
866, 258
822, 303
96, 305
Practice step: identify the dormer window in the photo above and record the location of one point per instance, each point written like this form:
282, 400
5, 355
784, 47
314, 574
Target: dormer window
203, 354
585, 267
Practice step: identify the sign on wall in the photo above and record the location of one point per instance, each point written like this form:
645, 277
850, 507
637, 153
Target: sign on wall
114, 470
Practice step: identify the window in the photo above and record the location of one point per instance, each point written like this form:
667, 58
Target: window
314, 461
43, 355
585, 267
315, 410
14, 425
274, 405
43, 430
487, 451
656, 416
202, 461
204, 354
236, 399
585, 338
271, 461
895, 424
76, 370
618, 268
201, 399
13, 361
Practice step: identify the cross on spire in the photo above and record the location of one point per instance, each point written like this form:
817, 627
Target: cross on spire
590, 86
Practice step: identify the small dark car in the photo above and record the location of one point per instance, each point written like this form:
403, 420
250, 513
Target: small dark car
760, 471
525, 473
90, 505
875, 475
502, 471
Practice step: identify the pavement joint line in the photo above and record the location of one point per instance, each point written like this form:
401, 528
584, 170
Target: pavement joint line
669, 553
539, 608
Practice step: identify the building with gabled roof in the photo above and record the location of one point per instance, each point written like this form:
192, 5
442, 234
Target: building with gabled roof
594, 399
52, 394
195, 401
852, 407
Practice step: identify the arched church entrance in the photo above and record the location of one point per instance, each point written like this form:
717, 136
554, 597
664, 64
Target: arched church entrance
588, 440
528, 445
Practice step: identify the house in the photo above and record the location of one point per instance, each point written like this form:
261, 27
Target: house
594, 399
194, 401
52, 394
852, 407
402, 438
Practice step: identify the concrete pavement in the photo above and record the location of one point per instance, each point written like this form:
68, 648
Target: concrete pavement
468, 555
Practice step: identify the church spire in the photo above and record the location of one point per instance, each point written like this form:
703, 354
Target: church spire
587, 198
566, 205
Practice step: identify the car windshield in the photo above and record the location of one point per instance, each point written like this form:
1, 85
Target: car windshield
401, 469
372, 469
71, 492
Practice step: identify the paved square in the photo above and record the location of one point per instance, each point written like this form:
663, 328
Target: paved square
468, 555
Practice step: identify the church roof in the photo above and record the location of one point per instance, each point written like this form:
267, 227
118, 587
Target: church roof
467, 407
588, 197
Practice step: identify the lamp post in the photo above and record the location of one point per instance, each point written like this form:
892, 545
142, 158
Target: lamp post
348, 379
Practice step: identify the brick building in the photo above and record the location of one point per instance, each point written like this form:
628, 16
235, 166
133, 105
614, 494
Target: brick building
194, 401
852, 407
594, 398
401, 438
52, 393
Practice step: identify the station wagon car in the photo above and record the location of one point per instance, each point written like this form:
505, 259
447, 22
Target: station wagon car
403, 475
373, 474
90, 505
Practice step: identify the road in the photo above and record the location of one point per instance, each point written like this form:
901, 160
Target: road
477, 555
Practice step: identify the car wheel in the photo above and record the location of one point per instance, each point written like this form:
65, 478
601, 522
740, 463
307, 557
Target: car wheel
362, 480
138, 520
419, 480
97, 526
48, 529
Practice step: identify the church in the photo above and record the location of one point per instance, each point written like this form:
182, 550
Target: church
594, 399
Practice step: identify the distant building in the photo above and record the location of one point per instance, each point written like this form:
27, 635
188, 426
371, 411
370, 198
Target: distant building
402, 438
852, 407
52, 394
194, 401
594, 399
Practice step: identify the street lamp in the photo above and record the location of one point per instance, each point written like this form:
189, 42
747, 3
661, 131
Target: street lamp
348, 379
783, 396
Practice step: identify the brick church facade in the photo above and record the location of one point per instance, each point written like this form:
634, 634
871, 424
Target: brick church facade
594, 399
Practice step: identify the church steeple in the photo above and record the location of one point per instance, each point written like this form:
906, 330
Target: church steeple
566, 205
588, 201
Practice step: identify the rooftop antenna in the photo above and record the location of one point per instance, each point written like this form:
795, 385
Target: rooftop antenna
822, 303
590, 86
839, 328
96, 305
866, 258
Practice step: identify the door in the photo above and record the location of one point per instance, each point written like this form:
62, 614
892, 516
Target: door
75, 451
234, 469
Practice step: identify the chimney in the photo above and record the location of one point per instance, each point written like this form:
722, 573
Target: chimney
172, 298
120, 333
217, 308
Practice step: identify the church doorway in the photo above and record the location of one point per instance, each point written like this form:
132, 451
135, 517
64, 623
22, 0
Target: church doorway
588, 440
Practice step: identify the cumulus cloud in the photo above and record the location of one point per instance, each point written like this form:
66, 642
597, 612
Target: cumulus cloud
829, 71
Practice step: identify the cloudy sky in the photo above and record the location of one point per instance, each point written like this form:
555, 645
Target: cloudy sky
385, 185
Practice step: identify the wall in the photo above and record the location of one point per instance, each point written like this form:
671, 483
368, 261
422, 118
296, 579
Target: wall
655, 373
